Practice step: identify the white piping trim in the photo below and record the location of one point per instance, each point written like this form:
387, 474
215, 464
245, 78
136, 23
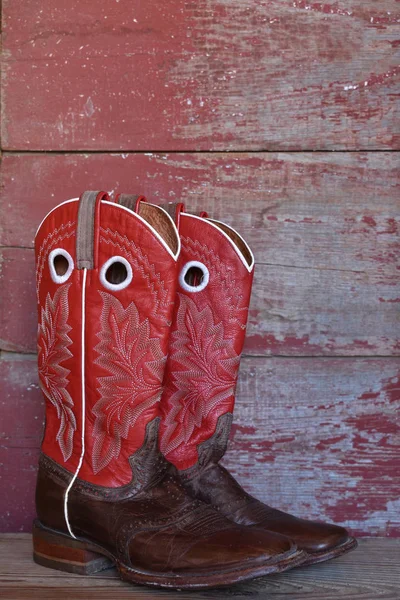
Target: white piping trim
116, 286
83, 394
212, 223
158, 236
49, 213
60, 278
185, 269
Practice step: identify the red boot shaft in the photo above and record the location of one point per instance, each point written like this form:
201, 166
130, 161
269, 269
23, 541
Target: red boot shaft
102, 349
215, 277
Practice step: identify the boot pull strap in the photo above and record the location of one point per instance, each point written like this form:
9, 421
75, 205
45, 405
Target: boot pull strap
130, 201
87, 231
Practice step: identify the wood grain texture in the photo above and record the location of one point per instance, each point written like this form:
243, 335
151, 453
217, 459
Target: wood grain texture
314, 436
368, 573
21, 428
18, 312
324, 229
319, 438
293, 312
208, 75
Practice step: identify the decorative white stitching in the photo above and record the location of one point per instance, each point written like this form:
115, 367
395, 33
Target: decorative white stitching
53, 343
214, 223
150, 227
65, 231
206, 377
206, 255
142, 265
135, 363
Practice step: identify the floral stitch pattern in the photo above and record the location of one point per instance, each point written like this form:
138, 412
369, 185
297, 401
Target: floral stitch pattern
135, 363
207, 374
53, 343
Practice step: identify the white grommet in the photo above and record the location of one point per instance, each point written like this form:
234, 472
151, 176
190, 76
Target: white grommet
54, 275
204, 281
116, 286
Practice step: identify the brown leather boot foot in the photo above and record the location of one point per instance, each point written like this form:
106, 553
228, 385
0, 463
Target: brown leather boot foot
56, 550
321, 541
216, 486
158, 537
331, 541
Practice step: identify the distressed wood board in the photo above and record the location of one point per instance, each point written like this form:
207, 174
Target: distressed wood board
296, 209
368, 573
293, 311
324, 229
314, 436
205, 75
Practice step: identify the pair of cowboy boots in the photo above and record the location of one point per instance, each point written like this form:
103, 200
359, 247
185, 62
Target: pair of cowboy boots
139, 339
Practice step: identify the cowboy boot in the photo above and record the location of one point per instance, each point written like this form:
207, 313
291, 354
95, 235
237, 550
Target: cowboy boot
106, 279
216, 269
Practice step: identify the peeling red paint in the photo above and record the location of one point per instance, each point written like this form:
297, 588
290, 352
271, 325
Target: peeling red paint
394, 300
323, 444
392, 227
242, 429
369, 395
371, 423
189, 89
369, 221
270, 344
334, 8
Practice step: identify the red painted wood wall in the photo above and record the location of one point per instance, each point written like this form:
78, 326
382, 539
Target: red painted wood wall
280, 117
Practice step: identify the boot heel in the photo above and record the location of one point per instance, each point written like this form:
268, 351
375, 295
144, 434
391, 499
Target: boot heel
58, 551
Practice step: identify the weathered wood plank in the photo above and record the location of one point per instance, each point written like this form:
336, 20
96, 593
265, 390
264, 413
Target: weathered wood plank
296, 312
18, 313
177, 75
308, 209
313, 436
21, 427
324, 228
369, 573
318, 437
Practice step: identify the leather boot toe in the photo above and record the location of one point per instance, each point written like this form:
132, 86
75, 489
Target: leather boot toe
252, 546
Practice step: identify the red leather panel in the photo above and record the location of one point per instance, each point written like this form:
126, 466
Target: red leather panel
59, 347
207, 338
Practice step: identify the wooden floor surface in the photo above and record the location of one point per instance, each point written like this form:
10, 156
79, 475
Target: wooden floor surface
371, 572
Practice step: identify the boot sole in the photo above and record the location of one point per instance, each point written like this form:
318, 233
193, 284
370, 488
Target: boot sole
319, 557
57, 550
